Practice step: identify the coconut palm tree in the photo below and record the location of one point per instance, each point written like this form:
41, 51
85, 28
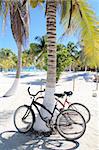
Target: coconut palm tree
41, 46
72, 52
37, 50
75, 15
19, 17
51, 72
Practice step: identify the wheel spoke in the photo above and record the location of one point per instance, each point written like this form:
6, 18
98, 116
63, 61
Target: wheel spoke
23, 118
70, 126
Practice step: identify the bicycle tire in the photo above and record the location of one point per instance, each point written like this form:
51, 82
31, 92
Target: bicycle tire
24, 118
84, 111
70, 124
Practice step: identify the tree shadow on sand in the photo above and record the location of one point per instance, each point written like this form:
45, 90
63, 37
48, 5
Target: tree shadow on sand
86, 76
12, 140
13, 75
39, 82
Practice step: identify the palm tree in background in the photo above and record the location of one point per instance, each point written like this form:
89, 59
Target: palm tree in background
19, 18
32, 52
26, 58
41, 46
72, 51
41, 51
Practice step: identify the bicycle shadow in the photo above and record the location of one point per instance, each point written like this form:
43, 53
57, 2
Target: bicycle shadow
10, 140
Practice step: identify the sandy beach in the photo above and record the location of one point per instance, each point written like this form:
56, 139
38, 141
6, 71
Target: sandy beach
84, 92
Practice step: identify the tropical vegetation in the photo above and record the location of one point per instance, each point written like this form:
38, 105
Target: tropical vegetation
75, 15
8, 59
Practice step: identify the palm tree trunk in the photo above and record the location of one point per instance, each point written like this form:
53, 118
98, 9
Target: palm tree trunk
49, 100
19, 17
85, 68
19, 65
14, 86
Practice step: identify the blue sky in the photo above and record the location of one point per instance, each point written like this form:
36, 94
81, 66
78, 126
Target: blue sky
38, 27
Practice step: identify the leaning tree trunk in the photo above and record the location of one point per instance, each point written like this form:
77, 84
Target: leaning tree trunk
19, 17
14, 86
49, 100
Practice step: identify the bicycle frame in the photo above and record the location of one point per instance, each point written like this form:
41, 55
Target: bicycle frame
36, 104
63, 104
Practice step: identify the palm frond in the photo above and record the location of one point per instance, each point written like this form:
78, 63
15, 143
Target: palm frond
34, 3
64, 9
4, 9
19, 16
38, 39
89, 34
40, 56
83, 20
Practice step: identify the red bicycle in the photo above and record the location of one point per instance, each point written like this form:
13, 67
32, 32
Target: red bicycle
84, 111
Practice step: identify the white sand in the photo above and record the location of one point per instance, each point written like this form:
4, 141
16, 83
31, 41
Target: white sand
83, 91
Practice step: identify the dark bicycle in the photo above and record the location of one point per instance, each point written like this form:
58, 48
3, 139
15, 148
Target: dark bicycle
84, 111
70, 124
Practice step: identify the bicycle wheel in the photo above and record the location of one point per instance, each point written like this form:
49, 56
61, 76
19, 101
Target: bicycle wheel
24, 118
82, 109
70, 124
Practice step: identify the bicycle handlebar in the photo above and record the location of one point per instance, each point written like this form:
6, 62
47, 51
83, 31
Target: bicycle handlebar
36, 93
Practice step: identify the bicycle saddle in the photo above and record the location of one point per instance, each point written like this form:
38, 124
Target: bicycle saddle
69, 93
59, 95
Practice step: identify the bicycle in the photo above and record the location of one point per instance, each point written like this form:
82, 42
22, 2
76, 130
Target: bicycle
70, 124
84, 111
